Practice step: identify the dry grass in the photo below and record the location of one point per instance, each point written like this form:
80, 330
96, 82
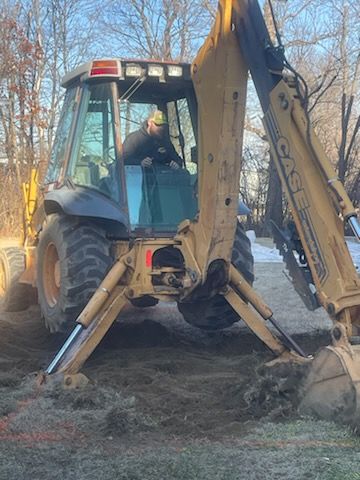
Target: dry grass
303, 450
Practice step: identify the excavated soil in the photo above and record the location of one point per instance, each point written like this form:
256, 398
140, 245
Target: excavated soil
165, 401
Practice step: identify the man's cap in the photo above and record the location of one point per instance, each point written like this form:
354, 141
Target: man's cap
159, 118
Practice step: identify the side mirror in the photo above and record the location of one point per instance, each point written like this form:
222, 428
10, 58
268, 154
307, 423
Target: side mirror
194, 154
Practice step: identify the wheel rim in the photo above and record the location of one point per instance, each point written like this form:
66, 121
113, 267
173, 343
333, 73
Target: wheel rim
51, 275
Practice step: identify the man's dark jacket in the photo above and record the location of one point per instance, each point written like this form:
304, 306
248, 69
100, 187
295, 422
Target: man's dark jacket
139, 145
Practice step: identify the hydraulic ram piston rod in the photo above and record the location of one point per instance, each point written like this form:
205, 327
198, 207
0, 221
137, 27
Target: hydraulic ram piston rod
290, 341
89, 313
249, 293
72, 337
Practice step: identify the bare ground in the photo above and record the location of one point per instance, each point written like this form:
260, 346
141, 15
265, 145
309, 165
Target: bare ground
167, 402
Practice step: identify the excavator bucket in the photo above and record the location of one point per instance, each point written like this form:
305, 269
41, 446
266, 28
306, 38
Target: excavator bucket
332, 387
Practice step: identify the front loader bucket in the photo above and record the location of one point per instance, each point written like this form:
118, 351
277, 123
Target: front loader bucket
332, 387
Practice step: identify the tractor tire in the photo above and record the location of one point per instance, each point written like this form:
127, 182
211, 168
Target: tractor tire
144, 302
73, 258
14, 296
216, 313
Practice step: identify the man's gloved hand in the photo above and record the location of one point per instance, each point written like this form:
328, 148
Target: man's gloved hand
147, 162
174, 165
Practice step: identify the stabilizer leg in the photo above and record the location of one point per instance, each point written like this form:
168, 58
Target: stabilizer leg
83, 341
255, 313
92, 325
254, 322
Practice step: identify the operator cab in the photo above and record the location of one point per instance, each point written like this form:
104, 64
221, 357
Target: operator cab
105, 101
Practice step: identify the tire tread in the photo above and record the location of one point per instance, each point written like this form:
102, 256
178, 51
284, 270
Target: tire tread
216, 313
84, 253
18, 296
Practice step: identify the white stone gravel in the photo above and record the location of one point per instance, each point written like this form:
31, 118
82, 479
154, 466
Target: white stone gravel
265, 254
277, 291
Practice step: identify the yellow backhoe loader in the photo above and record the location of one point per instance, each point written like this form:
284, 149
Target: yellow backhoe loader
101, 233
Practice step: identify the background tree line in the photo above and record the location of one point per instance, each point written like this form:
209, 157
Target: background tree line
41, 40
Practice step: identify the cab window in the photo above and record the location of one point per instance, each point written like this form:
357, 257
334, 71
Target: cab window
133, 116
160, 197
181, 131
93, 161
62, 137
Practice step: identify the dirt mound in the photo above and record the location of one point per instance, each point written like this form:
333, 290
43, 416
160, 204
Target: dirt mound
10, 379
52, 414
25, 344
144, 334
147, 375
165, 401
272, 392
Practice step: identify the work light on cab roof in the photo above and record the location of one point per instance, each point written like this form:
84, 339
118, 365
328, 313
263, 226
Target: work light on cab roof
156, 71
116, 68
133, 70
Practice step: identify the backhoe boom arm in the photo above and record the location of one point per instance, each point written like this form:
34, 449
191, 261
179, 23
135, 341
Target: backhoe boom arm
318, 201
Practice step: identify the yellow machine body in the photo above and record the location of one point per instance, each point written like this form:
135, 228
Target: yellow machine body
318, 202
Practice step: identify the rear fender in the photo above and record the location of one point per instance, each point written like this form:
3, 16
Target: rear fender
83, 202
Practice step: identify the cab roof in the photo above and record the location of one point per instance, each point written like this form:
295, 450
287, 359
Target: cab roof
128, 70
